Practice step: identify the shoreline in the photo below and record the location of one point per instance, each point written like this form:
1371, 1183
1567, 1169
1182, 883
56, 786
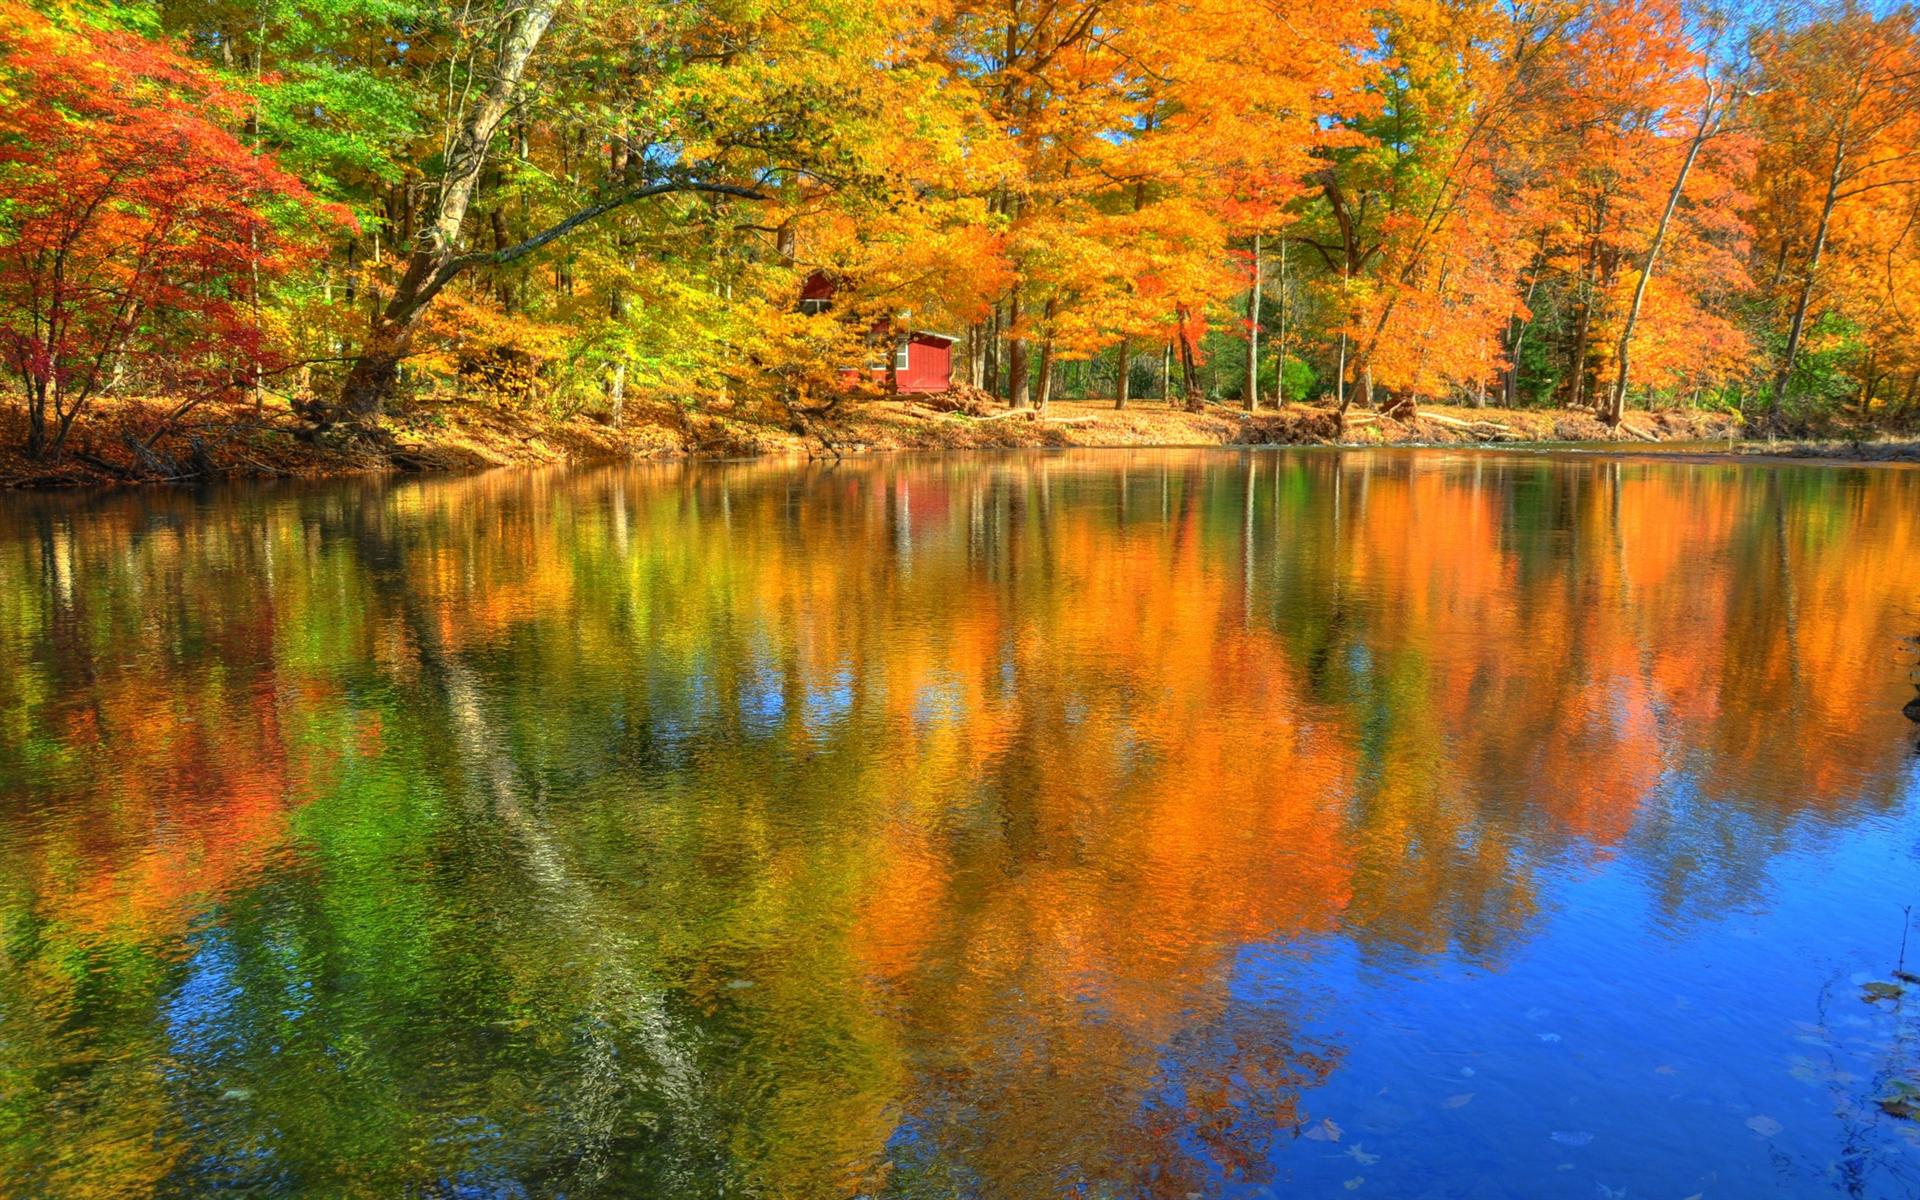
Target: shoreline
239, 441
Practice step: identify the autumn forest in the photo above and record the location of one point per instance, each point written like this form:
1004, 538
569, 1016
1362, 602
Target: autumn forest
330, 210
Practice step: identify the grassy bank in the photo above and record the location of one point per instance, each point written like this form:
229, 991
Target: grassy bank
117, 446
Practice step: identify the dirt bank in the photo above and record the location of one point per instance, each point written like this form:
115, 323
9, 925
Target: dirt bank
115, 445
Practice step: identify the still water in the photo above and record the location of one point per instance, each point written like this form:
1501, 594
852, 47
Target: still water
1108, 824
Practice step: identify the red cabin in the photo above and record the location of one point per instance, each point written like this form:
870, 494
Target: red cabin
922, 362
922, 359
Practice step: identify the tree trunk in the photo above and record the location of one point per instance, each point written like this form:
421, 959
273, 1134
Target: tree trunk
1123, 387
1280, 354
36, 418
1046, 353
1252, 391
1617, 402
1510, 378
1340, 380
990, 354
1019, 386
1797, 328
1583, 324
375, 369
371, 378
1577, 359
1189, 370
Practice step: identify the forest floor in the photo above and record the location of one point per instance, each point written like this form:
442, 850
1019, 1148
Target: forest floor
454, 434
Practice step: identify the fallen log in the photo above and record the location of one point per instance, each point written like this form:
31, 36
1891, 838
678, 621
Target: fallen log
1479, 427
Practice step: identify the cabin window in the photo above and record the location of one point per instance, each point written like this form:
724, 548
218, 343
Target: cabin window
814, 305
900, 355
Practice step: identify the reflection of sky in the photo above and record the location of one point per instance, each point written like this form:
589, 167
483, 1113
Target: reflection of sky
1615, 1051
941, 701
763, 700
830, 700
208, 1047
201, 1007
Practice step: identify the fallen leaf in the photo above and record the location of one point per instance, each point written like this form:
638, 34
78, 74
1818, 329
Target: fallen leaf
1324, 1131
1460, 1101
1764, 1126
1353, 1185
1361, 1156
1549, 1037
1903, 1103
1572, 1138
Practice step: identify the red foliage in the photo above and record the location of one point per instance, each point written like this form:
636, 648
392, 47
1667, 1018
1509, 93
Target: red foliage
135, 228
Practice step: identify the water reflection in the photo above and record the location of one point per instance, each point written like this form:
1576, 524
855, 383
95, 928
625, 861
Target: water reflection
1151, 824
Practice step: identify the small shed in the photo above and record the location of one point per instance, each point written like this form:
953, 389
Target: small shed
922, 362
922, 359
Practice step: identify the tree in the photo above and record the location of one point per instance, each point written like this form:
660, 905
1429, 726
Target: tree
1841, 111
135, 229
1420, 217
1709, 122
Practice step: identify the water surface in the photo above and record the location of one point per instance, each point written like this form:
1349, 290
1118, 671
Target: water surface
1108, 824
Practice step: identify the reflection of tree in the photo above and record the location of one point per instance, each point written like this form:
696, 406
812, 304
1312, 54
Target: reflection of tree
647, 828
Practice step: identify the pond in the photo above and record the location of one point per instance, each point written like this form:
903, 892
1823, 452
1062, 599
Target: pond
1094, 824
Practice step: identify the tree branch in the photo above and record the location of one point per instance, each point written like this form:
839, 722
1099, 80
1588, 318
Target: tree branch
555, 232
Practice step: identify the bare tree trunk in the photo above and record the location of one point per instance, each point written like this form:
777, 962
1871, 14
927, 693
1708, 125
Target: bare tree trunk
1046, 353
1123, 387
1280, 357
622, 164
991, 366
617, 394
1341, 401
1340, 379
1252, 391
1019, 386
